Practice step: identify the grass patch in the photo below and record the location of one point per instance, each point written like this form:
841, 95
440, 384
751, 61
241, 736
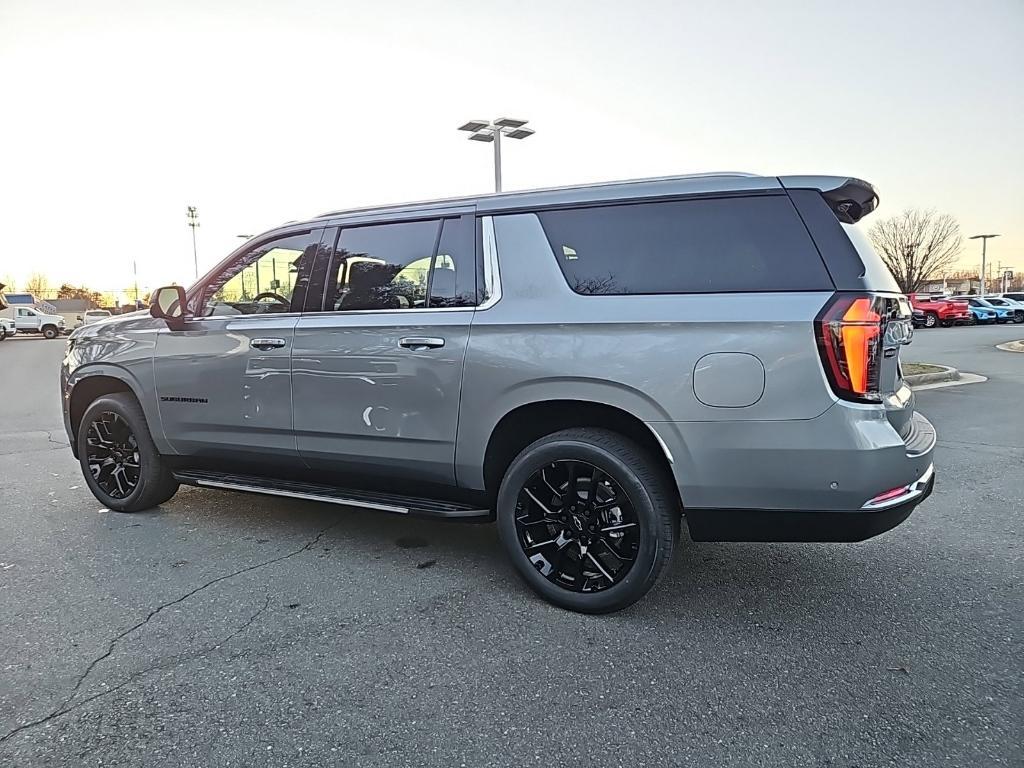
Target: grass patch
913, 369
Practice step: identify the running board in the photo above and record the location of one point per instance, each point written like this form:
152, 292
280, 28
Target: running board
383, 502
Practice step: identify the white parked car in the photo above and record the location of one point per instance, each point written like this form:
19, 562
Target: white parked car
7, 328
94, 316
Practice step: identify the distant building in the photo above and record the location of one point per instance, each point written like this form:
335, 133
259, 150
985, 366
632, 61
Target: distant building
72, 310
30, 300
950, 286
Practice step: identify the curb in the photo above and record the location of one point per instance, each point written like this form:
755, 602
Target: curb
1011, 346
947, 374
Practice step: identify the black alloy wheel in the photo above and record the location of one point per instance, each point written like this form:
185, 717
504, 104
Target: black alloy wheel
577, 526
112, 455
589, 518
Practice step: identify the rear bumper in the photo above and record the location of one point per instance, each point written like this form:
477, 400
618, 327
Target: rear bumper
802, 526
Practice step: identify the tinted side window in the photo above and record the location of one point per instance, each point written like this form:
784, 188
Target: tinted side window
739, 244
381, 266
453, 283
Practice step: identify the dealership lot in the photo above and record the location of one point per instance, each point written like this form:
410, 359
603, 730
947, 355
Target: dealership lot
225, 629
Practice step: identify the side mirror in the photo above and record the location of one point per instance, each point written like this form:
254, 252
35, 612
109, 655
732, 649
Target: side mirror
168, 303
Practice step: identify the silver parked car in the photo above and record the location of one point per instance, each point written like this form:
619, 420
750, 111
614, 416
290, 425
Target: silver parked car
589, 366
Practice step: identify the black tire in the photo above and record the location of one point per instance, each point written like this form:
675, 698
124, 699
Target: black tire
50, 332
155, 483
930, 319
649, 492
1018, 317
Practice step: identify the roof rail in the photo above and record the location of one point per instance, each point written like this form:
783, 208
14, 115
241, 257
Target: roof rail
590, 185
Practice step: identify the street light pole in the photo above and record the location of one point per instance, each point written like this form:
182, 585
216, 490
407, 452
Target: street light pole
984, 241
193, 222
497, 161
484, 130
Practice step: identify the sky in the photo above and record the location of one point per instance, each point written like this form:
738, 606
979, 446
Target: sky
115, 116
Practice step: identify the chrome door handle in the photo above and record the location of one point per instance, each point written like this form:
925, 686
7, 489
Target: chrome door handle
421, 342
265, 344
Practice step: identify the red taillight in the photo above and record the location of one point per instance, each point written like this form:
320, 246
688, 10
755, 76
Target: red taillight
849, 331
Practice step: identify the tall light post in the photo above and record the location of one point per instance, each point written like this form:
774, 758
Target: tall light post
193, 222
482, 130
984, 241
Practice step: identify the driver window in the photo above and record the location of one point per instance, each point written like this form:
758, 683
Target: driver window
264, 280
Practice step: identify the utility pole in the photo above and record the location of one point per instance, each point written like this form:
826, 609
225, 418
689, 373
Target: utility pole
193, 222
135, 271
984, 241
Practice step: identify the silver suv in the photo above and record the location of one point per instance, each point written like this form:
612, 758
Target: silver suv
587, 366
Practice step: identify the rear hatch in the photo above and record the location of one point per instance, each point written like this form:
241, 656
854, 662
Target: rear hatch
863, 327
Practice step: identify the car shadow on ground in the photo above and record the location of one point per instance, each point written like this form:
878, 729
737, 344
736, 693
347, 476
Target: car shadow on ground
732, 582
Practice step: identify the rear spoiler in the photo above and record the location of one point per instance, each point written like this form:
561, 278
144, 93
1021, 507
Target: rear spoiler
850, 199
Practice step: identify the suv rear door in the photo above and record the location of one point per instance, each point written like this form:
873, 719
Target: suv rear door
378, 359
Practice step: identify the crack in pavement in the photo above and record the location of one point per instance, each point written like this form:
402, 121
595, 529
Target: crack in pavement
163, 665
63, 707
60, 443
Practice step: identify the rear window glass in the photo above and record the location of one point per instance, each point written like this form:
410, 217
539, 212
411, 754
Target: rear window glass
748, 244
876, 274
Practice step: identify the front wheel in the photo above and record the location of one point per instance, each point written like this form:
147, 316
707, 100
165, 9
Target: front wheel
121, 464
930, 320
50, 332
589, 519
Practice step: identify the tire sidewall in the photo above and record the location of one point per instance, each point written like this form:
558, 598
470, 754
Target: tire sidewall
149, 467
641, 575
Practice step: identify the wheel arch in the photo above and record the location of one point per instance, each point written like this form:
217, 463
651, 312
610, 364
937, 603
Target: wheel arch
95, 381
527, 422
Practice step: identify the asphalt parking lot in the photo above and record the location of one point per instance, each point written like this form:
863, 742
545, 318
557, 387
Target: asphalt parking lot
226, 629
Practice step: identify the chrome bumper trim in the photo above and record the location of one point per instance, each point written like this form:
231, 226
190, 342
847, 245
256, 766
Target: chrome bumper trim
910, 492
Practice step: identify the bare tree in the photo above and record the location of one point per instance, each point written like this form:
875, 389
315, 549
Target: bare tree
37, 285
917, 245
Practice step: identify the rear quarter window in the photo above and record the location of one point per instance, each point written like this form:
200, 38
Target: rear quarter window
721, 245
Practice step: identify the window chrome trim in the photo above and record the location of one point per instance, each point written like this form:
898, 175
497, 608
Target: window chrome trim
492, 273
338, 313
409, 311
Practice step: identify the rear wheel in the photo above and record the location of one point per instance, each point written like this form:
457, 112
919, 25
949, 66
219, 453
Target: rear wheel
930, 319
119, 460
589, 519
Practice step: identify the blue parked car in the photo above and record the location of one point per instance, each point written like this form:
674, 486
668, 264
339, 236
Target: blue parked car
982, 315
1016, 307
998, 314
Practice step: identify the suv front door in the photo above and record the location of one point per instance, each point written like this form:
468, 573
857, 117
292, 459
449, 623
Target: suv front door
377, 365
224, 380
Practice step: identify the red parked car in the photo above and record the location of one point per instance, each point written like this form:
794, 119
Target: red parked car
939, 310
